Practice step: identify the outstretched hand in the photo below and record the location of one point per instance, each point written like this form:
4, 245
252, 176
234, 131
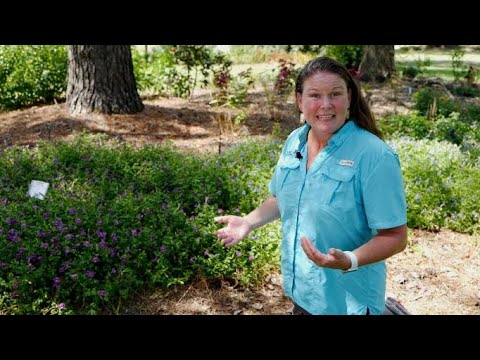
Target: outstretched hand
334, 259
237, 228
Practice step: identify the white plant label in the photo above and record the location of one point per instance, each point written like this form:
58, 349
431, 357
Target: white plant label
38, 189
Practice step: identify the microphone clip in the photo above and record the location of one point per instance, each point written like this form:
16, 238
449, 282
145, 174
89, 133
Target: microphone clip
298, 155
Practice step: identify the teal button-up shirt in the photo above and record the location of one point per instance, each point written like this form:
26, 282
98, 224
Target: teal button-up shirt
353, 187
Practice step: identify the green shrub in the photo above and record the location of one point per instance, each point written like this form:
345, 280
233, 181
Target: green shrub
451, 128
349, 55
466, 91
118, 219
427, 98
410, 71
415, 126
31, 75
440, 185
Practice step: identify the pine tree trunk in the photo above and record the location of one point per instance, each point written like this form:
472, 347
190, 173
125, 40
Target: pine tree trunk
378, 62
101, 79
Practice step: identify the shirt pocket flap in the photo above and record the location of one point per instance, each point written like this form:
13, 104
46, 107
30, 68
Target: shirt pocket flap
287, 163
339, 173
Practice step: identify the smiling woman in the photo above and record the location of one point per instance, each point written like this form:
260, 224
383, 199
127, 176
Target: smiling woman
341, 201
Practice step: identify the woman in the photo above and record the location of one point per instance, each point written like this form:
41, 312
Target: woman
338, 190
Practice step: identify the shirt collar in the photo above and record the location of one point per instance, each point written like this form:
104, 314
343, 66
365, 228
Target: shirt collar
342, 134
336, 140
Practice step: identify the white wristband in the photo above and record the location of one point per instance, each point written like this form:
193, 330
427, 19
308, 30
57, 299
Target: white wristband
353, 259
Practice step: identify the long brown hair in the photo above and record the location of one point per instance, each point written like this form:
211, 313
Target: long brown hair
359, 109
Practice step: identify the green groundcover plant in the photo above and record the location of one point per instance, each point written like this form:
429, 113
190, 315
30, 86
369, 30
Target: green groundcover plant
119, 219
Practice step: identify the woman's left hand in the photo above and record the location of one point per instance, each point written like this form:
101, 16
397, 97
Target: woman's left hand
335, 259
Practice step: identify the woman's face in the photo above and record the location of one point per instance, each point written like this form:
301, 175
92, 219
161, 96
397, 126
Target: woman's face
324, 102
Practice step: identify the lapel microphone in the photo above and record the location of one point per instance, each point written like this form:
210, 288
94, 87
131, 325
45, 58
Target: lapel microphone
298, 155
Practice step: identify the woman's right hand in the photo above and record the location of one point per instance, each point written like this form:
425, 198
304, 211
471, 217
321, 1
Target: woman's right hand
237, 228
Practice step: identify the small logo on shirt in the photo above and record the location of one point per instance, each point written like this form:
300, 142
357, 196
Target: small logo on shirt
346, 163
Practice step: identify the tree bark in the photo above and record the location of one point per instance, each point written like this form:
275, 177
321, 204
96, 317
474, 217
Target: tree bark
101, 79
378, 62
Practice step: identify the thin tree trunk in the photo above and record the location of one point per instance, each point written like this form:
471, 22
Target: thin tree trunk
101, 79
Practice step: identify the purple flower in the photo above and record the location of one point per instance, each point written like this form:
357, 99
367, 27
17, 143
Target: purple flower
11, 221
74, 276
71, 211
89, 274
163, 249
238, 253
251, 258
61, 306
56, 282
102, 293
20, 252
12, 235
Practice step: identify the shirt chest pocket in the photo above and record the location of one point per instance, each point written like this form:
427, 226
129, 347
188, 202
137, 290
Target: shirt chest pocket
284, 171
335, 185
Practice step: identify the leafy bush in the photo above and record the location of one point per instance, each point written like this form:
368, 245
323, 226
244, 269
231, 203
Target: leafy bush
410, 71
118, 219
466, 91
418, 68
176, 69
150, 69
428, 100
415, 126
349, 55
440, 185
450, 128
32, 74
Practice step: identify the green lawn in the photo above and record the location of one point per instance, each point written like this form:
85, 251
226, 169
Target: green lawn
440, 62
